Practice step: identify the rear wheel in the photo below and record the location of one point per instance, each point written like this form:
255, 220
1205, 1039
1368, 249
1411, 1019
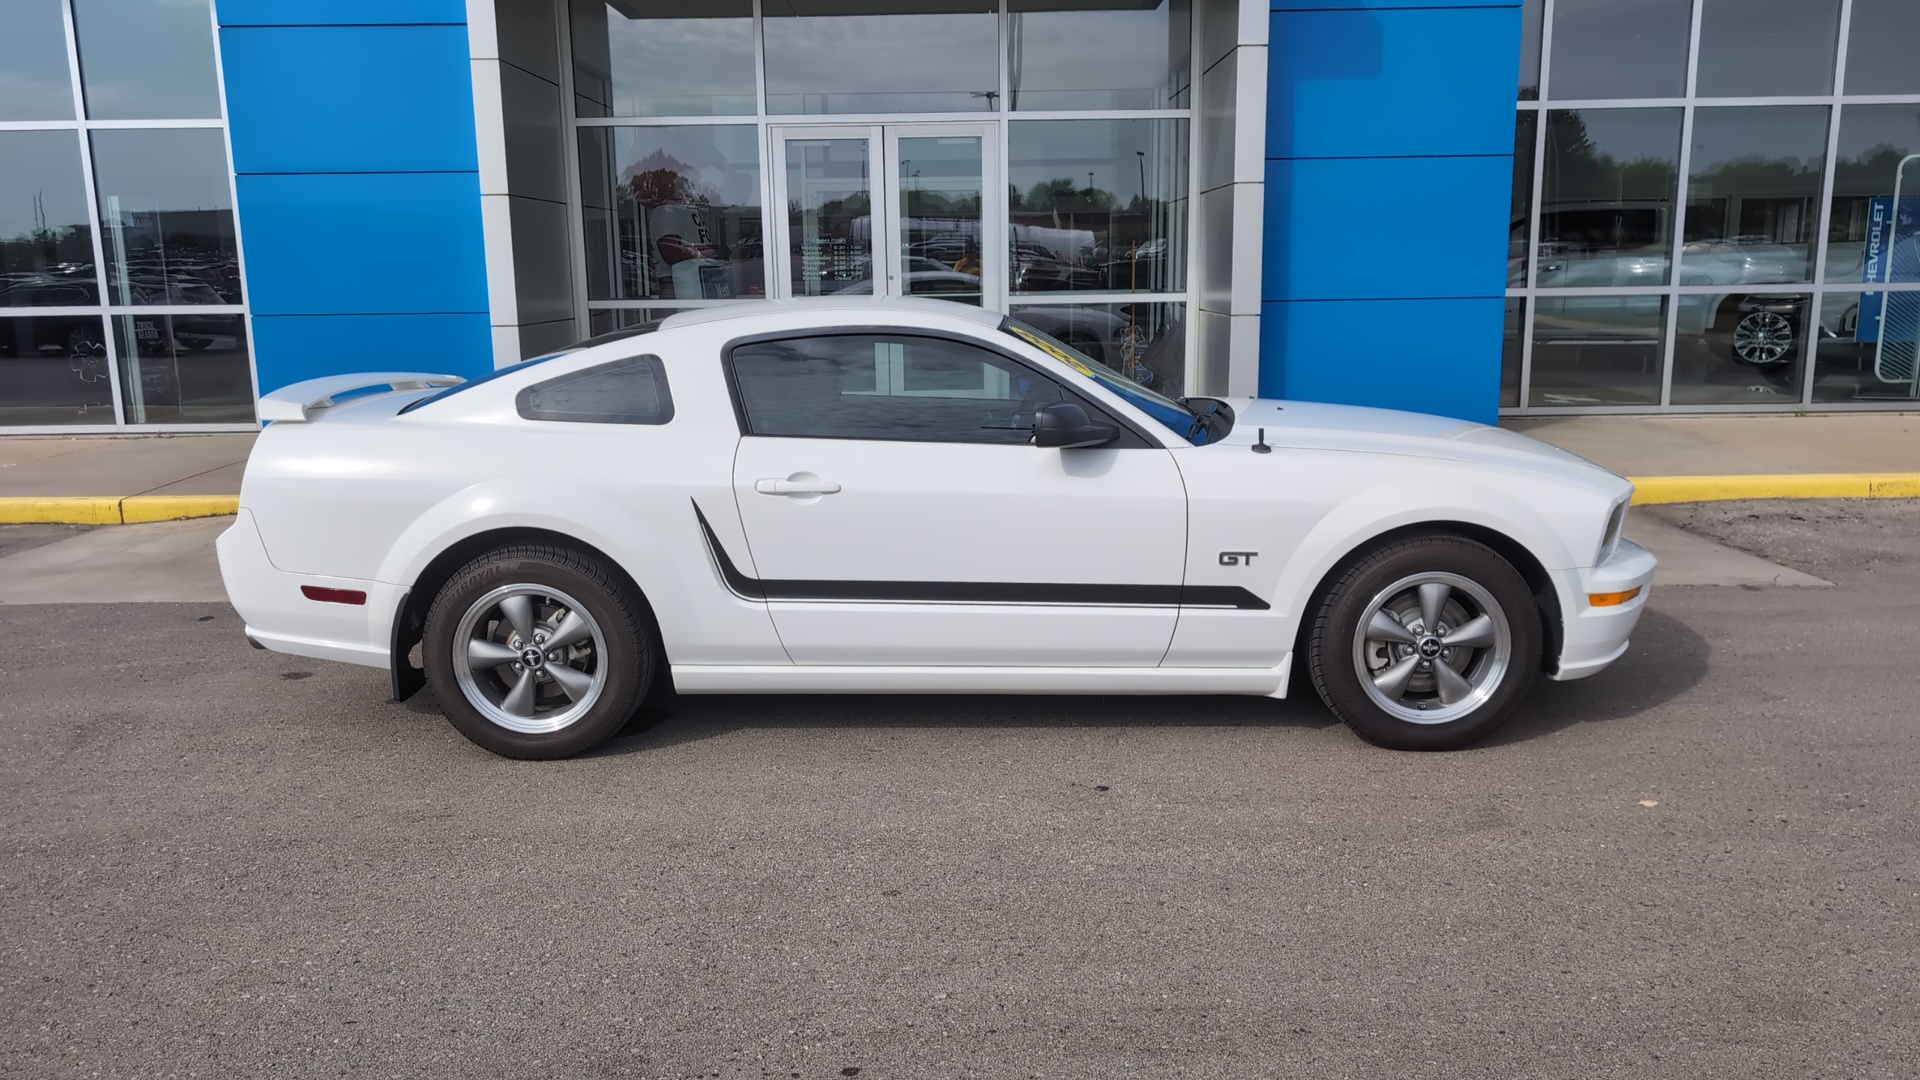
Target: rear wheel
1426, 643
538, 652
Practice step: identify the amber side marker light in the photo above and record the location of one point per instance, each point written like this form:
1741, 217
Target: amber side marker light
1611, 599
333, 596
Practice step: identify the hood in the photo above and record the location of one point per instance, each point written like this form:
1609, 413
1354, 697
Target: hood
1311, 425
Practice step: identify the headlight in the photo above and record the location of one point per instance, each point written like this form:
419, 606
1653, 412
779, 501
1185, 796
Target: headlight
1616, 524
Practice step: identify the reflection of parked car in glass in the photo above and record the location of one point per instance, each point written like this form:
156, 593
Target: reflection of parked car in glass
1764, 331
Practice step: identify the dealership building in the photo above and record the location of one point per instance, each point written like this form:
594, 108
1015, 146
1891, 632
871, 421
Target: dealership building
1471, 208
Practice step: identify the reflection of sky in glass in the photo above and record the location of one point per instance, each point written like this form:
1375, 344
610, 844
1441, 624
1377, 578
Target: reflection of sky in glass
147, 59
1753, 47
1882, 45
1619, 48
1043, 150
182, 169
1083, 59
665, 67
46, 164
881, 63
34, 84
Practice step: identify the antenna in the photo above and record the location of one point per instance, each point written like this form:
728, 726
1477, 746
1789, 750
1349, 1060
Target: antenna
1261, 447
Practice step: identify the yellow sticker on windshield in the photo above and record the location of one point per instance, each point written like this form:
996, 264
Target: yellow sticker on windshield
1054, 351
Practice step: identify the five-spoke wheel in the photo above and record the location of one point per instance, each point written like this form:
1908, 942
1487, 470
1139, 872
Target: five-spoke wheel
1426, 643
538, 652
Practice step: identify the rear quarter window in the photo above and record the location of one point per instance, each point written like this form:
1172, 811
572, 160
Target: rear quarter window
632, 390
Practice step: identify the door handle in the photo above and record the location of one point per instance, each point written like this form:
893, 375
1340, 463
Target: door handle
795, 487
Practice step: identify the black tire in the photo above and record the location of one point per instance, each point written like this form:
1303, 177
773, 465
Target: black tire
1337, 660
629, 659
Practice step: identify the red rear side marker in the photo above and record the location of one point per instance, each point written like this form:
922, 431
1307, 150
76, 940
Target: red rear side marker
333, 596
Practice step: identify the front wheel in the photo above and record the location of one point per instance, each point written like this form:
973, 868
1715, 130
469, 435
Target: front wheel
538, 652
1426, 643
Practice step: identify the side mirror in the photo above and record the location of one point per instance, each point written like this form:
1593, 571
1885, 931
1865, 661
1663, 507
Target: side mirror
1067, 426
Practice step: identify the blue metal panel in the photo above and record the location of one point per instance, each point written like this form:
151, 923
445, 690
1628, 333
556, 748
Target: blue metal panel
350, 98
295, 347
1430, 356
363, 243
339, 12
1371, 228
1393, 83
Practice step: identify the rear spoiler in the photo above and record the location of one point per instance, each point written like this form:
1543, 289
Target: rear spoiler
297, 403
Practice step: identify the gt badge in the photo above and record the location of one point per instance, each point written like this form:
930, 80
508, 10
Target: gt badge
1237, 558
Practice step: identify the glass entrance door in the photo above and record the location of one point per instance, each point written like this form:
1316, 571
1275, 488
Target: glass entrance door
887, 210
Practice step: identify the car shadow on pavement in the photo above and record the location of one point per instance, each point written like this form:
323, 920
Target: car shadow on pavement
692, 718
1666, 659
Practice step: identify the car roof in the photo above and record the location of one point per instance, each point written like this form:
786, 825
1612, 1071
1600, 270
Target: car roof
857, 306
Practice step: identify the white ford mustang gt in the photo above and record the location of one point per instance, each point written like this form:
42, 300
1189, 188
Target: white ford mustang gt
911, 496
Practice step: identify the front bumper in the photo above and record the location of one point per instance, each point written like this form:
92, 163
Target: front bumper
1593, 637
279, 617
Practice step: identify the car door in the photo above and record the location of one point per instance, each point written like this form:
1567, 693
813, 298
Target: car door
896, 512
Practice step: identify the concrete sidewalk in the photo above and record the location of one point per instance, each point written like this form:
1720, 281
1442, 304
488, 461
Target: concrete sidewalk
104, 480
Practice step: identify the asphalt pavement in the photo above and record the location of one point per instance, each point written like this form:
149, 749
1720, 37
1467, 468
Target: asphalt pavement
1701, 863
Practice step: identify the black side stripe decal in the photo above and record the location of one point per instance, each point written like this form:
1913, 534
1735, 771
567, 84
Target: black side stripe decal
973, 592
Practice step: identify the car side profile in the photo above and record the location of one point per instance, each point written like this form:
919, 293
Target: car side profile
895, 496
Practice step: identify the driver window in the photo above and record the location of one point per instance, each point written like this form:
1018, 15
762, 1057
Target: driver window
900, 387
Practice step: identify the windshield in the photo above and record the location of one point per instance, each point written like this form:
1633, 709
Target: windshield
1171, 414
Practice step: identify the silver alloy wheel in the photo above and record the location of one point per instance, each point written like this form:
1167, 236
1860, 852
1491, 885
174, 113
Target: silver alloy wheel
530, 658
1763, 338
1432, 648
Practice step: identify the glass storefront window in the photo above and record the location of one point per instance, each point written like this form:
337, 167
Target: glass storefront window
36, 85
1143, 342
832, 56
1607, 198
672, 212
1097, 205
1753, 194
1512, 345
1531, 17
1597, 350
1740, 349
941, 181
146, 59
1866, 350
1755, 48
54, 370
46, 235
1525, 131
830, 216
1107, 54
184, 369
1882, 43
166, 214
1876, 143
663, 58
1619, 49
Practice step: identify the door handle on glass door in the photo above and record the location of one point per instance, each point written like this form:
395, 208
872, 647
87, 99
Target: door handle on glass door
795, 486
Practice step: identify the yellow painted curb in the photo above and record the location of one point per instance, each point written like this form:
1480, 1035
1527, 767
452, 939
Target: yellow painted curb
71, 510
1675, 489
112, 509
172, 507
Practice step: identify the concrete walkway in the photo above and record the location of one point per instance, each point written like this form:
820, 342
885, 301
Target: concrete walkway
1728, 445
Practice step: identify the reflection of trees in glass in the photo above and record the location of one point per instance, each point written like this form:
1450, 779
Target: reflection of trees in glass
1579, 171
660, 179
1062, 193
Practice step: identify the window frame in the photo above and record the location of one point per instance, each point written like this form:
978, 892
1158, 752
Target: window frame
523, 400
1130, 436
